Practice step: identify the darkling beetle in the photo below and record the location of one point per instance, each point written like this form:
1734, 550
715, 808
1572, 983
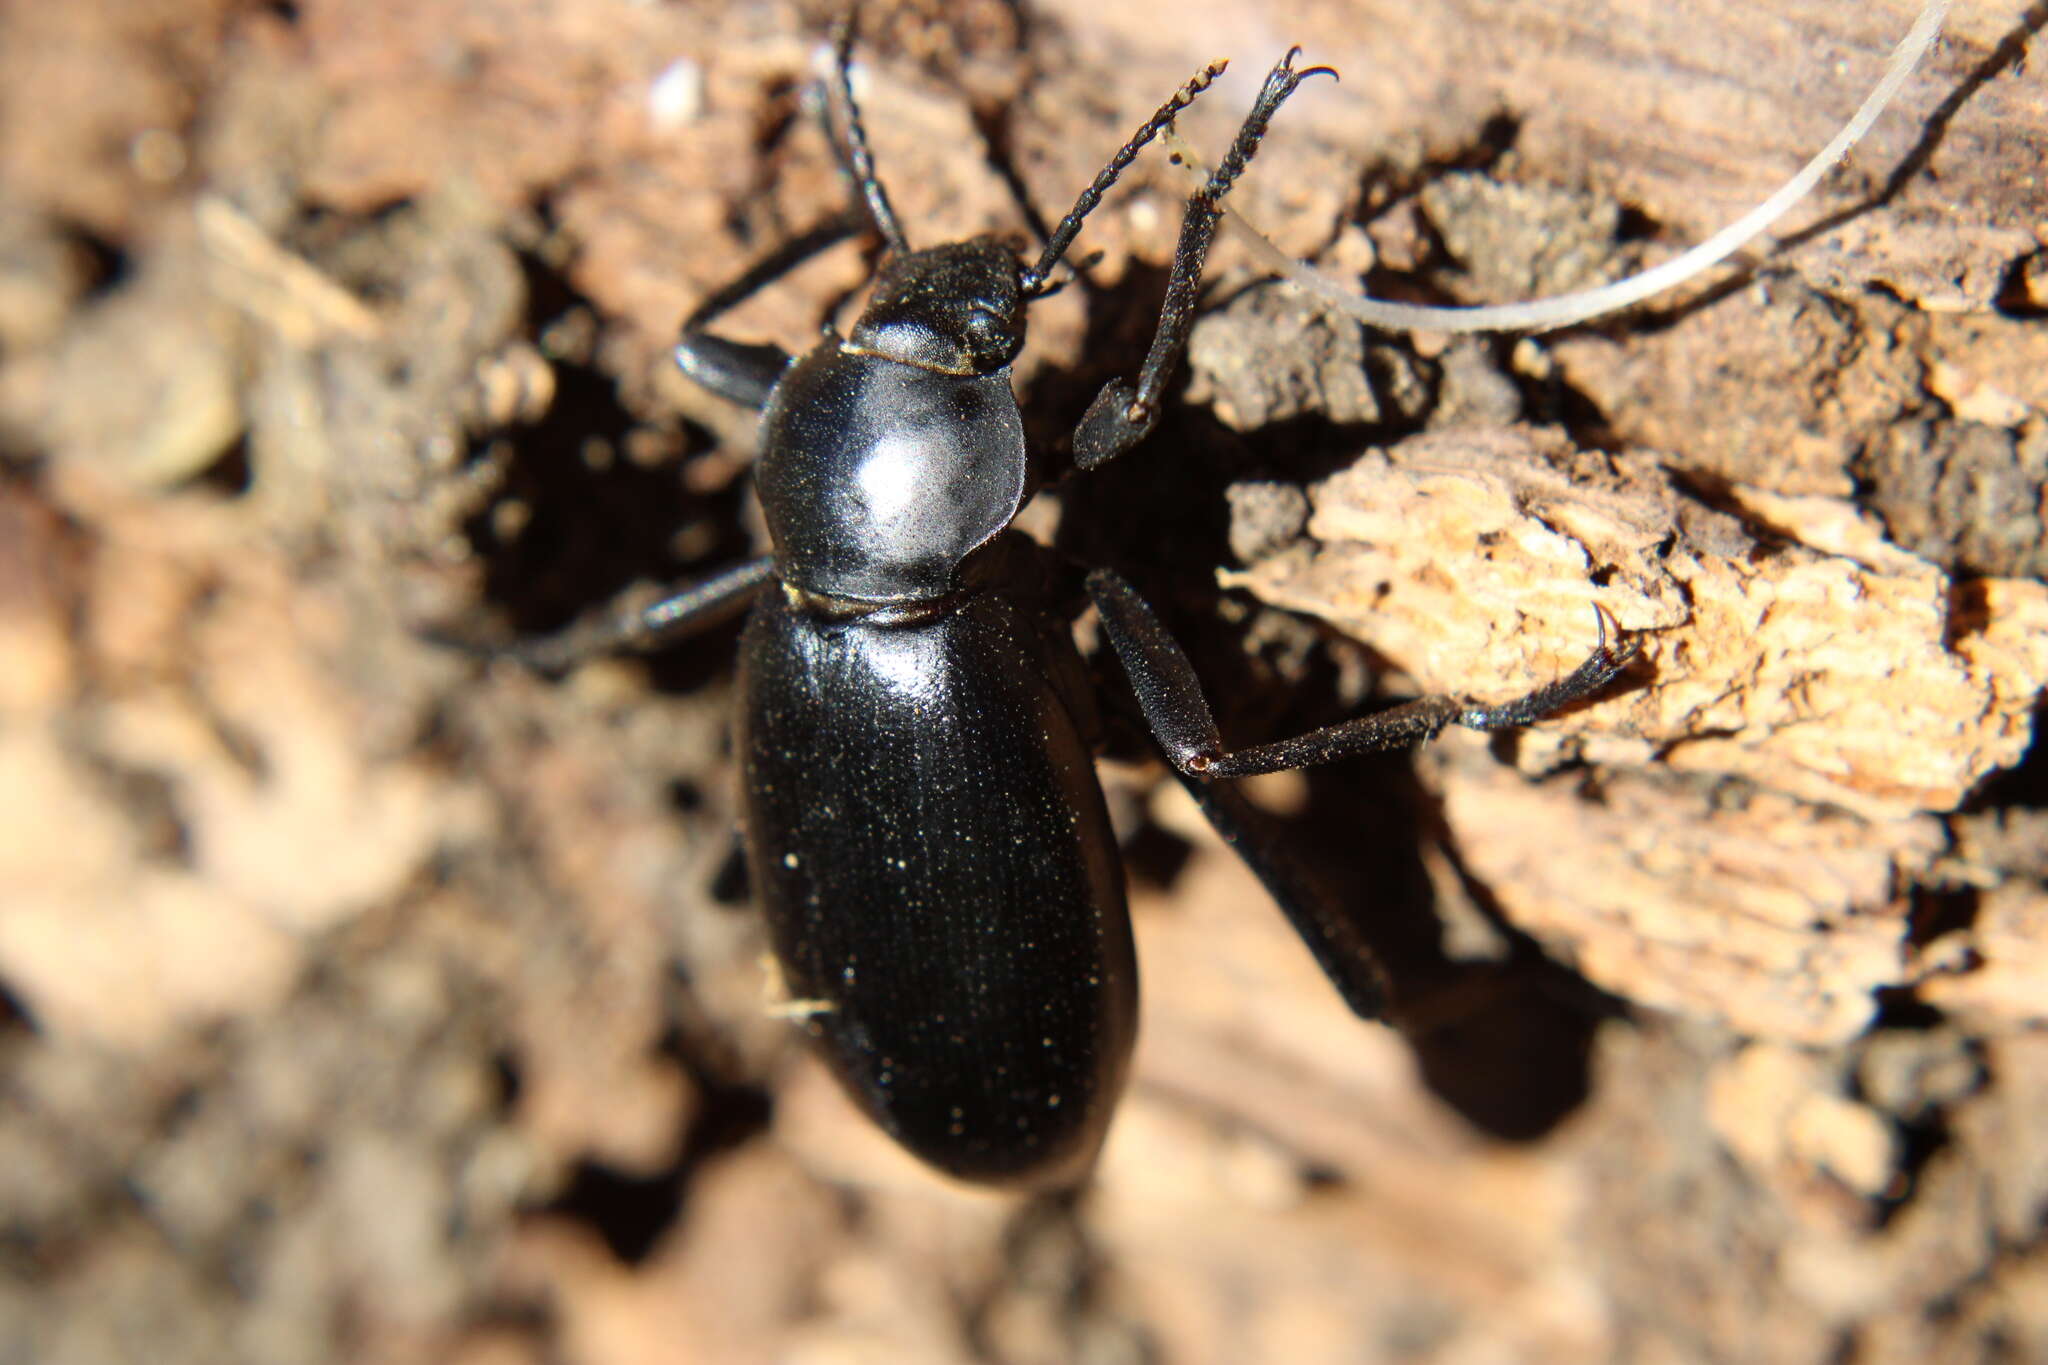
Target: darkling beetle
923, 822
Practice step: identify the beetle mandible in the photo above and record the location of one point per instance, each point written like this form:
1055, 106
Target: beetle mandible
924, 827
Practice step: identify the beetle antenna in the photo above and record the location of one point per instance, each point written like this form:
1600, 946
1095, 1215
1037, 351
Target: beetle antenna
859, 163
1034, 280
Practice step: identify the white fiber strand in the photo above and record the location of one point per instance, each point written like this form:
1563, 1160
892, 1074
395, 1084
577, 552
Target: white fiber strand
1564, 309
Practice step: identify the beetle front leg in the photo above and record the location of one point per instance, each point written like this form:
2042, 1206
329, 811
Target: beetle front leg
1123, 414
745, 372
1170, 696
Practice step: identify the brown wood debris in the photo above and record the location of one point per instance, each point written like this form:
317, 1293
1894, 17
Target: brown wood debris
1846, 686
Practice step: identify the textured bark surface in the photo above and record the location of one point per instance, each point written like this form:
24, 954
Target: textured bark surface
362, 1002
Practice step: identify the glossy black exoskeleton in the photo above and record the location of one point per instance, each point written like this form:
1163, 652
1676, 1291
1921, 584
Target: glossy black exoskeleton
923, 822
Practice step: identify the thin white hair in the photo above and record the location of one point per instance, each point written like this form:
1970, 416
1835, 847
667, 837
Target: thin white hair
1538, 315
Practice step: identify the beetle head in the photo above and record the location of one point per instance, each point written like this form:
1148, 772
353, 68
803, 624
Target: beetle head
956, 309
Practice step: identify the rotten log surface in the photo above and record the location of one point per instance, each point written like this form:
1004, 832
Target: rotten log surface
362, 1004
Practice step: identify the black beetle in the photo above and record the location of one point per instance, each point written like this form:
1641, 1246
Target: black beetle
924, 826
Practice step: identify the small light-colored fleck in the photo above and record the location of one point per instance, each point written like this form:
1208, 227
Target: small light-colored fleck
158, 155
676, 96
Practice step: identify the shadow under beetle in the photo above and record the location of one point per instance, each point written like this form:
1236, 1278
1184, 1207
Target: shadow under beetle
923, 823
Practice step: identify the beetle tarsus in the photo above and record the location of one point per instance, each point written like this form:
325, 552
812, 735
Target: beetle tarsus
1599, 668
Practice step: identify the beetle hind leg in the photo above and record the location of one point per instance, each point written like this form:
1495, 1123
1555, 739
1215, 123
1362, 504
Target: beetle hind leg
1170, 697
1322, 920
630, 624
1177, 714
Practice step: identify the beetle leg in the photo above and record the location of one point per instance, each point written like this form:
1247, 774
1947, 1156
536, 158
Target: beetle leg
1123, 414
742, 371
634, 627
1321, 920
1170, 696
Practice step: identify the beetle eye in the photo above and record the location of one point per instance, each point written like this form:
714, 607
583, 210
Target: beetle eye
987, 335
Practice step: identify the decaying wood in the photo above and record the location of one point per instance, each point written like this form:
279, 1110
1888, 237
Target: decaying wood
1851, 687
1792, 646
1857, 668
357, 1003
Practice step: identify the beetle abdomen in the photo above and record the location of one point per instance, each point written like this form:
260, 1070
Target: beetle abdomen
931, 847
